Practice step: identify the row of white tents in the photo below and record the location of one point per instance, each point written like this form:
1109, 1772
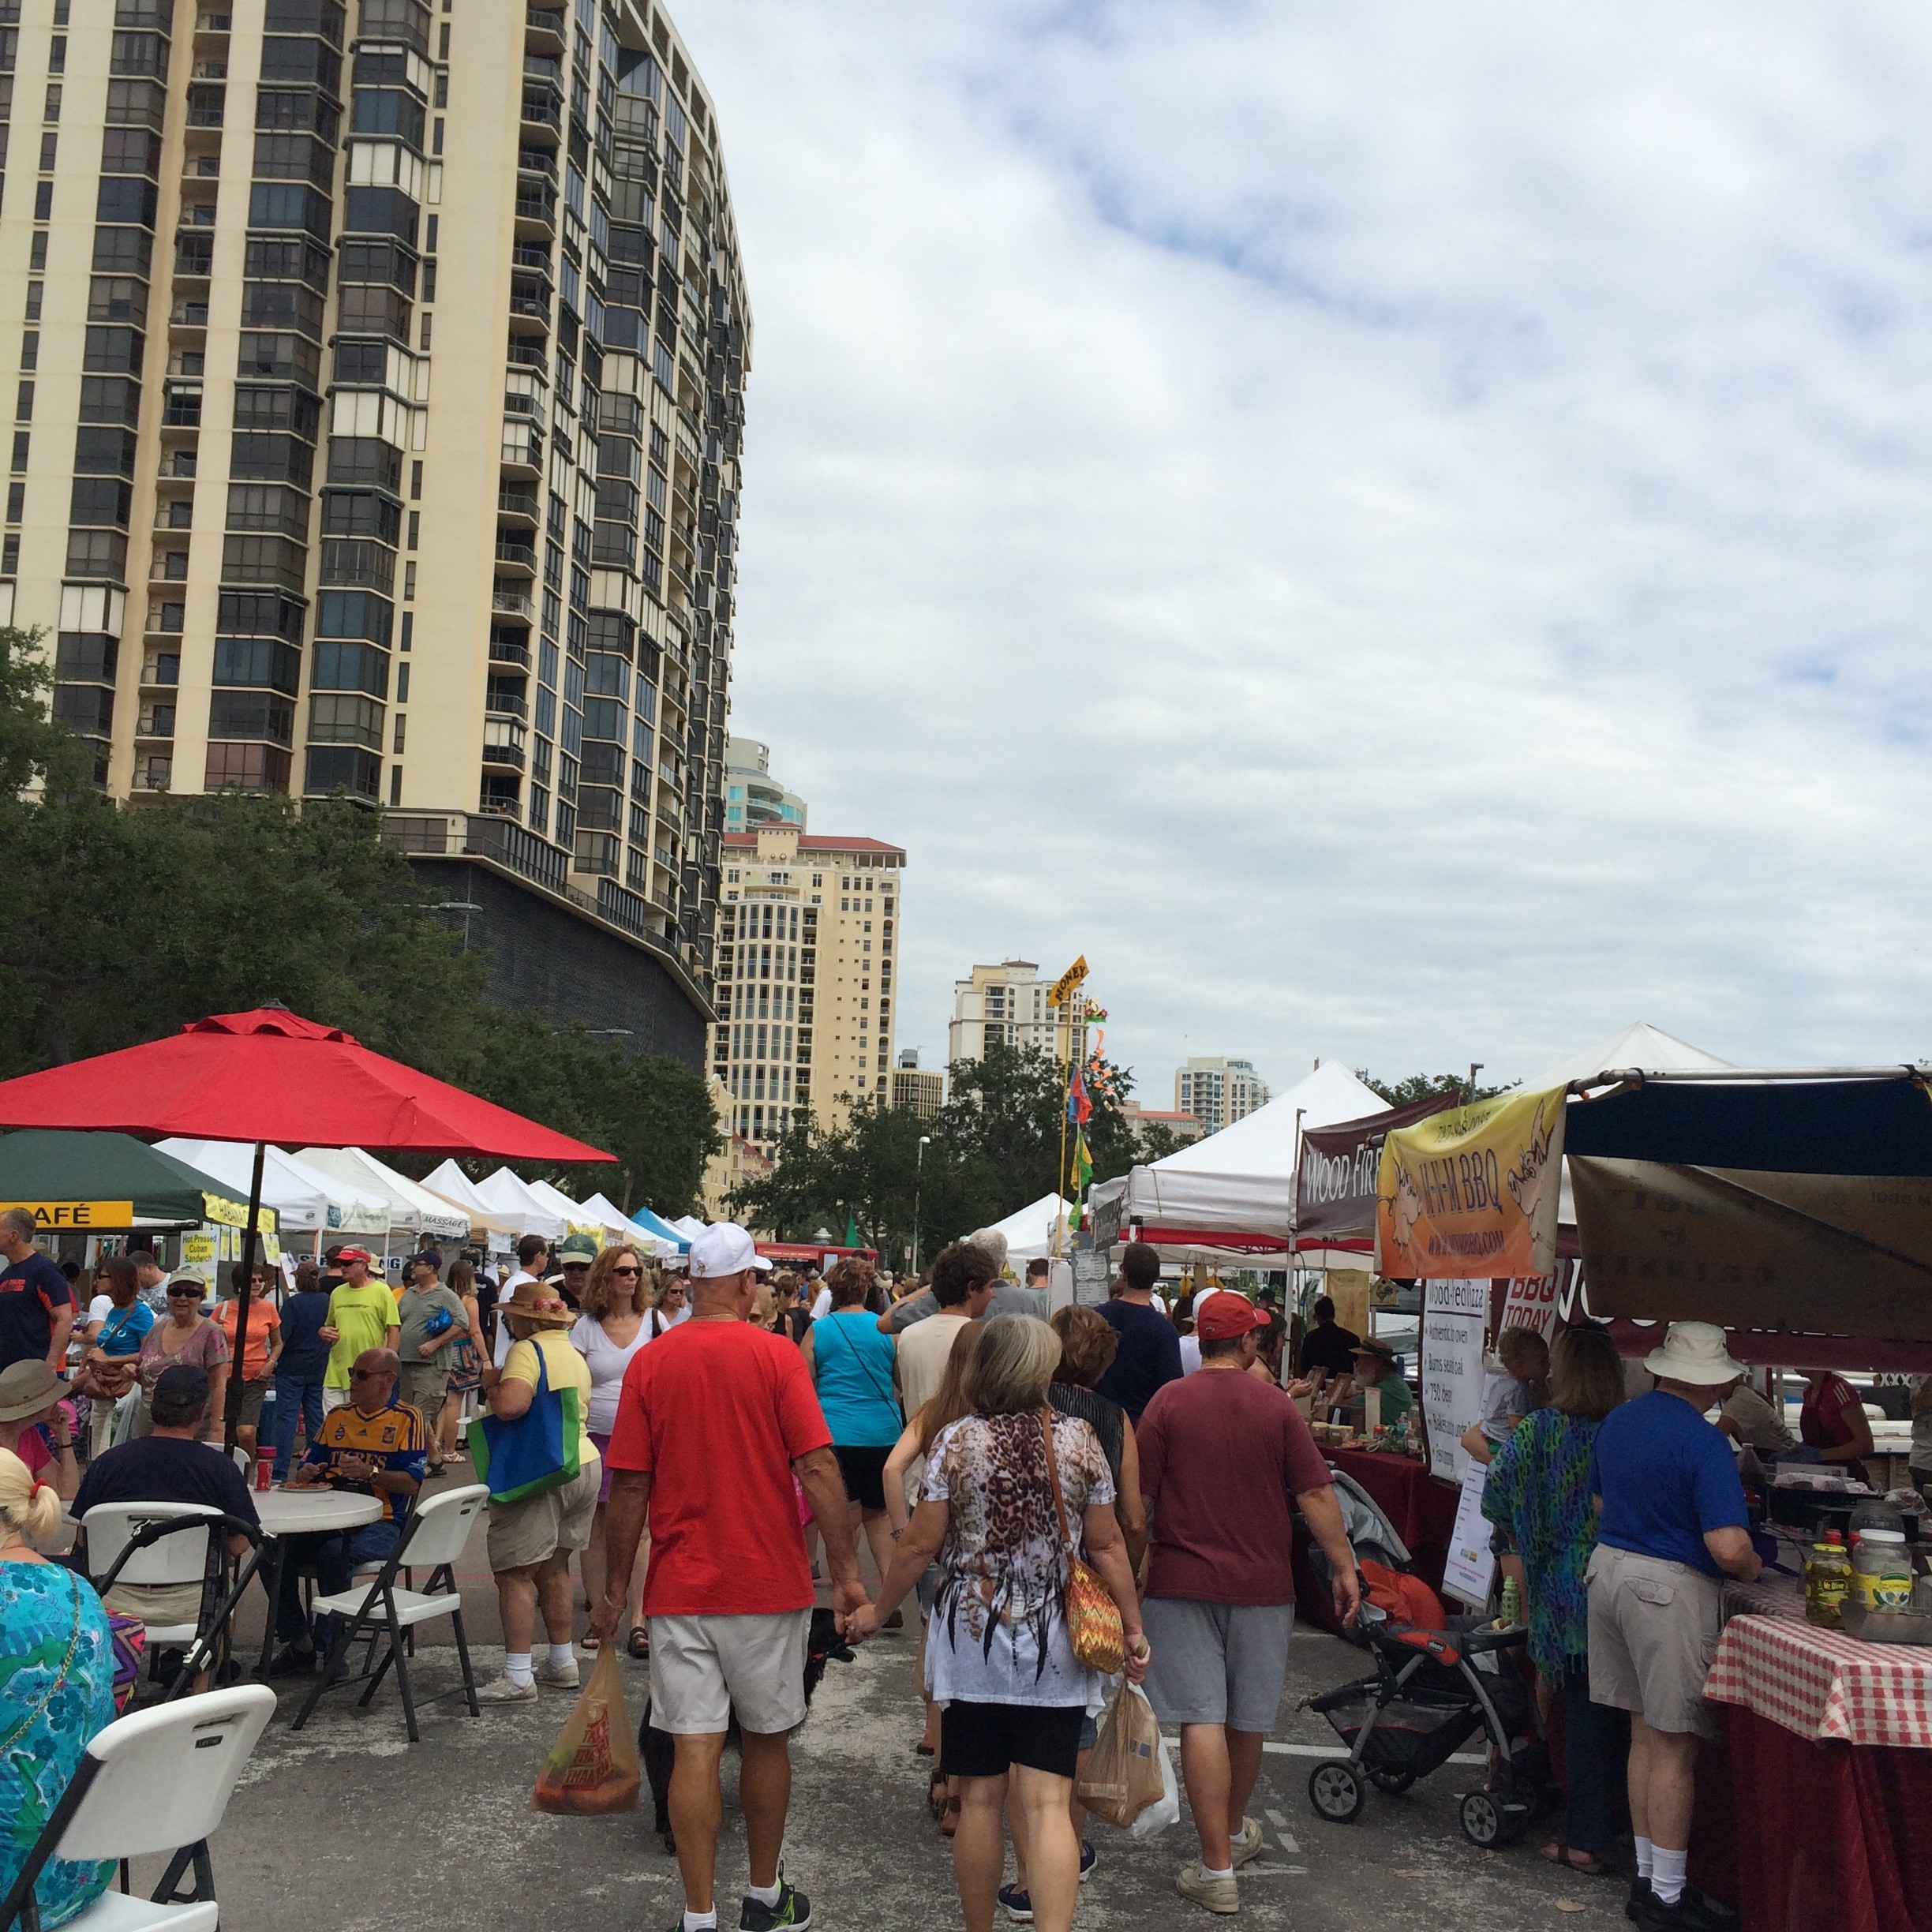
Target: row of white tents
340, 1193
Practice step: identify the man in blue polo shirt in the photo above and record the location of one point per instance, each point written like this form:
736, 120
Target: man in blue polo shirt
36, 1305
1673, 1526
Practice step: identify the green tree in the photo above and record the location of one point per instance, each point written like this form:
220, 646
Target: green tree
1420, 1086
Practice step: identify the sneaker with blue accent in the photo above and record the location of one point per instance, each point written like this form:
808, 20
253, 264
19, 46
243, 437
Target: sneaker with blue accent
1089, 1858
792, 1912
1018, 1902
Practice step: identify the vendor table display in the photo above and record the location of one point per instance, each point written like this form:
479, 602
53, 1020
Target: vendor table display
1828, 1756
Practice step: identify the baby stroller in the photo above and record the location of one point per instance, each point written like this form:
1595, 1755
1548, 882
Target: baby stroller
1439, 1681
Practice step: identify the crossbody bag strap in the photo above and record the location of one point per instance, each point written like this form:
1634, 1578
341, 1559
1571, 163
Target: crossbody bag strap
1052, 1478
872, 1374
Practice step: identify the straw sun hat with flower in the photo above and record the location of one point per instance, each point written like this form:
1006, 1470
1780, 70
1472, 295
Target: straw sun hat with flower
539, 1306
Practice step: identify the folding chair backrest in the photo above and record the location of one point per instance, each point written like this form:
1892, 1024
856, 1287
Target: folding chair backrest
244, 1462
440, 1527
165, 1773
180, 1558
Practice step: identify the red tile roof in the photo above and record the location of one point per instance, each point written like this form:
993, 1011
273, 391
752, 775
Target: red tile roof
812, 841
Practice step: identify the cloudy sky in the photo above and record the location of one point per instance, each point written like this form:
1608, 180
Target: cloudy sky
1403, 533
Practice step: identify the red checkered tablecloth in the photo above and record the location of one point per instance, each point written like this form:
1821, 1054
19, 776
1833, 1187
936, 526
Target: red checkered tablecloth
1822, 1683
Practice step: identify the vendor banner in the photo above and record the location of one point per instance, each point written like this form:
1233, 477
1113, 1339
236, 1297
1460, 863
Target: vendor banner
1335, 1173
1473, 1192
1454, 1314
1532, 1303
1822, 1253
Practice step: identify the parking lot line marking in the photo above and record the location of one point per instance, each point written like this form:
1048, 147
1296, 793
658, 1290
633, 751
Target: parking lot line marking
1330, 1751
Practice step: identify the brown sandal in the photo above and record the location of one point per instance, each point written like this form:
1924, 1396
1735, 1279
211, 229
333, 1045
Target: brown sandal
936, 1799
949, 1825
1586, 1864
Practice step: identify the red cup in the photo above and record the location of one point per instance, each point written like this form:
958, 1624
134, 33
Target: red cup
264, 1468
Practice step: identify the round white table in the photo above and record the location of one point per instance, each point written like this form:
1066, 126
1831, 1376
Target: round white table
309, 1512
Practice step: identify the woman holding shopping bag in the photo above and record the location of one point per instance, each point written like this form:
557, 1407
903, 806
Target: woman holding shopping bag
1012, 1492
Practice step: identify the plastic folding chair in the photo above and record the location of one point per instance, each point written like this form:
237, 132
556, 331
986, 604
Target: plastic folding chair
157, 1781
432, 1540
172, 1544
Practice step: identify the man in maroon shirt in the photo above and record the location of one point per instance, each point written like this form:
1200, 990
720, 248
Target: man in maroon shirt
1220, 1594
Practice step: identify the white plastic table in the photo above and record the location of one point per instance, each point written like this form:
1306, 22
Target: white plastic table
313, 1511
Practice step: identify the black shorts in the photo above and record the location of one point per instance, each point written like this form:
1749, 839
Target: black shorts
982, 1740
862, 1471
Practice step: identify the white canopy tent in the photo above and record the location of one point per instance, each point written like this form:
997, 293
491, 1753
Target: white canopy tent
303, 1196
1241, 1180
579, 1217
412, 1210
448, 1182
1029, 1231
625, 1229
687, 1226
506, 1192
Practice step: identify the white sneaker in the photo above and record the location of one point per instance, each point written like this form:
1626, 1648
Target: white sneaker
1248, 1845
563, 1676
505, 1690
1215, 1895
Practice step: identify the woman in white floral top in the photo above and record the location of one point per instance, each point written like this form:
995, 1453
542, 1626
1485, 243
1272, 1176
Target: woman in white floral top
997, 1656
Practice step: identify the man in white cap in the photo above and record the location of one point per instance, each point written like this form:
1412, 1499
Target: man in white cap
714, 1419
1673, 1525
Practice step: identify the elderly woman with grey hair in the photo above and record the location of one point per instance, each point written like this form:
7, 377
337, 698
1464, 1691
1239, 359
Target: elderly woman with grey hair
998, 1656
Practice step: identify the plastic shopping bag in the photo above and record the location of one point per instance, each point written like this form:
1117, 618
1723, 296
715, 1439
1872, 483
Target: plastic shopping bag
1123, 1774
1166, 1810
592, 1767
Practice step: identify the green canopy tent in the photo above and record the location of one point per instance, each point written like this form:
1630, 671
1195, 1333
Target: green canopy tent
108, 1183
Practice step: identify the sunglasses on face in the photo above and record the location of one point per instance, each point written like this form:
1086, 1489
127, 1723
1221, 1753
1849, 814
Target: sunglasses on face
184, 1294
367, 1375
627, 1271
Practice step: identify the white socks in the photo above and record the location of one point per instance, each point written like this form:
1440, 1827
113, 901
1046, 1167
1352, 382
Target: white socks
1647, 1859
561, 1654
517, 1667
1667, 1874
700, 1922
1207, 1871
765, 1895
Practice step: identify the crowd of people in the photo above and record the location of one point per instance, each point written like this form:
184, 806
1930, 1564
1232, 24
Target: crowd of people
742, 1431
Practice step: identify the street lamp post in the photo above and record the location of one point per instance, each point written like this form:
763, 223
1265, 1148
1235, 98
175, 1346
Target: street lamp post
466, 907
919, 1176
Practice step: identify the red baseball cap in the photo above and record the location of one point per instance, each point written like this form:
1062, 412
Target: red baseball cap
1227, 1315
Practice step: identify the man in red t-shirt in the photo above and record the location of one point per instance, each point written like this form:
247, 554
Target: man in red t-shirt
713, 1419
1220, 1594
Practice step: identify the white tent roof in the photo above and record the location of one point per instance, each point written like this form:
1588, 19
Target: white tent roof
580, 1217
448, 1182
507, 1193
687, 1226
1029, 1230
625, 1229
303, 1196
1242, 1180
1639, 1044
414, 1209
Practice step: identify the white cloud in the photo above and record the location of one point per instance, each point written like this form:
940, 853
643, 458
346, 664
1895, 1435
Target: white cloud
1402, 534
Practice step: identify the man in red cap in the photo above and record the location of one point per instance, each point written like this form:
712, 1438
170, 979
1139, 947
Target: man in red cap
1225, 1459
361, 1315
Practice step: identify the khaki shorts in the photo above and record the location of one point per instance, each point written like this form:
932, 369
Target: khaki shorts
534, 1530
703, 1668
1653, 1630
424, 1386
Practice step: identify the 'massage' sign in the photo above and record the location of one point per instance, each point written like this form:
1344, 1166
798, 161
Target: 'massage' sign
1335, 1179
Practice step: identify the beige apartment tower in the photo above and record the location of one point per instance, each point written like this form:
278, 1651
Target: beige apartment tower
805, 956
379, 372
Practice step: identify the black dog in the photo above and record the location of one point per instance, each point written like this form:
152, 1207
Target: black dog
658, 1749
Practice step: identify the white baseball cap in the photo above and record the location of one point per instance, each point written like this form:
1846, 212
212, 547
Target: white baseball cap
724, 1247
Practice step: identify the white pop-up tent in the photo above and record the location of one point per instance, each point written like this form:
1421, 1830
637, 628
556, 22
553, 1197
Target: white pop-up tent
580, 1217
1640, 1044
412, 1210
507, 1193
448, 1182
1240, 1182
1029, 1230
640, 1233
303, 1196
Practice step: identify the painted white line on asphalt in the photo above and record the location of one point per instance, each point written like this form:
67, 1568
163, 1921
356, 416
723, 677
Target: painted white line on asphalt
1278, 1820
1329, 1750
1288, 1845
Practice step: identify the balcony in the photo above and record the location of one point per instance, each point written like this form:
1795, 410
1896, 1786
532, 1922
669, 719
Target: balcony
188, 316
530, 356
537, 161
507, 650
503, 742
504, 705
541, 109
543, 30
529, 314
517, 556
508, 600
527, 254
519, 503
535, 216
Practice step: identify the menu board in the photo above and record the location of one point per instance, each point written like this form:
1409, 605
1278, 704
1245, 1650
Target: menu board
1453, 1314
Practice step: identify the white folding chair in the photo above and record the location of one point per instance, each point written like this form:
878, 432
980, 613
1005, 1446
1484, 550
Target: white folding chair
157, 1781
432, 1539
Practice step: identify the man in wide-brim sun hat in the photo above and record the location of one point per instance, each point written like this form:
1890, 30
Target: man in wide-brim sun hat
1673, 1525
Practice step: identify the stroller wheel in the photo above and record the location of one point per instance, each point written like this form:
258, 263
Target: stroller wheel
1392, 1779
1489, 1822
1337, 1791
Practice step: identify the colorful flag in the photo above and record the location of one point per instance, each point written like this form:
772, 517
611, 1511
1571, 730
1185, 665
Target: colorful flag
1079, 1108
1083, 1166
851, 1229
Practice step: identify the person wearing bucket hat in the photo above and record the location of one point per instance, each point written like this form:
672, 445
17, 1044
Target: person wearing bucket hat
1673, 1526
31, 1396
1375, 1367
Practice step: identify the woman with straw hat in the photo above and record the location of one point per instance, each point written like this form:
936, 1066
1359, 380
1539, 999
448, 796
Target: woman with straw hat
532, 1540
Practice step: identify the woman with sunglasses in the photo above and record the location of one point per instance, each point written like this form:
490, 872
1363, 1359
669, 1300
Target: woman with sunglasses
613, 1327
186, 1336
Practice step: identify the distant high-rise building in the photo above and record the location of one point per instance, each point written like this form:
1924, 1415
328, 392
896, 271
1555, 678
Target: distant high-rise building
917, 1090
1218, 1092
295, 523
805, 976
1184, 1127
752, 796
1003, 1004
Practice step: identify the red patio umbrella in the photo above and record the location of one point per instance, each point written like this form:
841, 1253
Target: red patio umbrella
270, 1075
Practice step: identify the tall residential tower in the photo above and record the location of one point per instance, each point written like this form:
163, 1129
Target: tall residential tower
295, 523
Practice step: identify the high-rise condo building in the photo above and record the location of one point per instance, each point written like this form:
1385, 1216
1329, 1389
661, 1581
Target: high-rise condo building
805, 976
753, 797
1003, 1004
1218, 1092
379, 376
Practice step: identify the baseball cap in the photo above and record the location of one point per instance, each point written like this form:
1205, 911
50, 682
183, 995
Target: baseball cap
1226, 1315
345, 1256
576, 1251
432, 1256
183, 1383
724, 1248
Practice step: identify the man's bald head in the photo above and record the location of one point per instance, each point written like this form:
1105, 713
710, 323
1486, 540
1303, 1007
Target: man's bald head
372, 1379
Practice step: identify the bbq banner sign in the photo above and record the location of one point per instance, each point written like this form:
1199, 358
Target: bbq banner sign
1473, 1192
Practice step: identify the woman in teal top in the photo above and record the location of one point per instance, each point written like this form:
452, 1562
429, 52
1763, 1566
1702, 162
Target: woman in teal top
854, 1367
56, 1671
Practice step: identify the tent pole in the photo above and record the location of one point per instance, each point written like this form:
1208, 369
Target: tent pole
236, 1369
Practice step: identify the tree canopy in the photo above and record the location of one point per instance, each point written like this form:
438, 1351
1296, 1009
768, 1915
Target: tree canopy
128, 922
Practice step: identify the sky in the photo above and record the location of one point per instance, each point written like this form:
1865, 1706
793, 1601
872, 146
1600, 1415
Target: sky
1403, 534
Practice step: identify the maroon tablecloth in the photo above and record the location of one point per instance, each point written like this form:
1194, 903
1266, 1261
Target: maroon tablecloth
1802, 1833
1421, 1507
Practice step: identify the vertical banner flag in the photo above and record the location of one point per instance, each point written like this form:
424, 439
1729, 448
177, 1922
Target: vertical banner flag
1472, 1193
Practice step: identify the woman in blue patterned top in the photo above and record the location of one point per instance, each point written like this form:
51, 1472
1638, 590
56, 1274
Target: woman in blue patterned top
1538, 1494
56, 1671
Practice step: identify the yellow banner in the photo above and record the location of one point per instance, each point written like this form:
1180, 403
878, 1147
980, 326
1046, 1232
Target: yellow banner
54, 1215
1473, 1192
220, 1211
